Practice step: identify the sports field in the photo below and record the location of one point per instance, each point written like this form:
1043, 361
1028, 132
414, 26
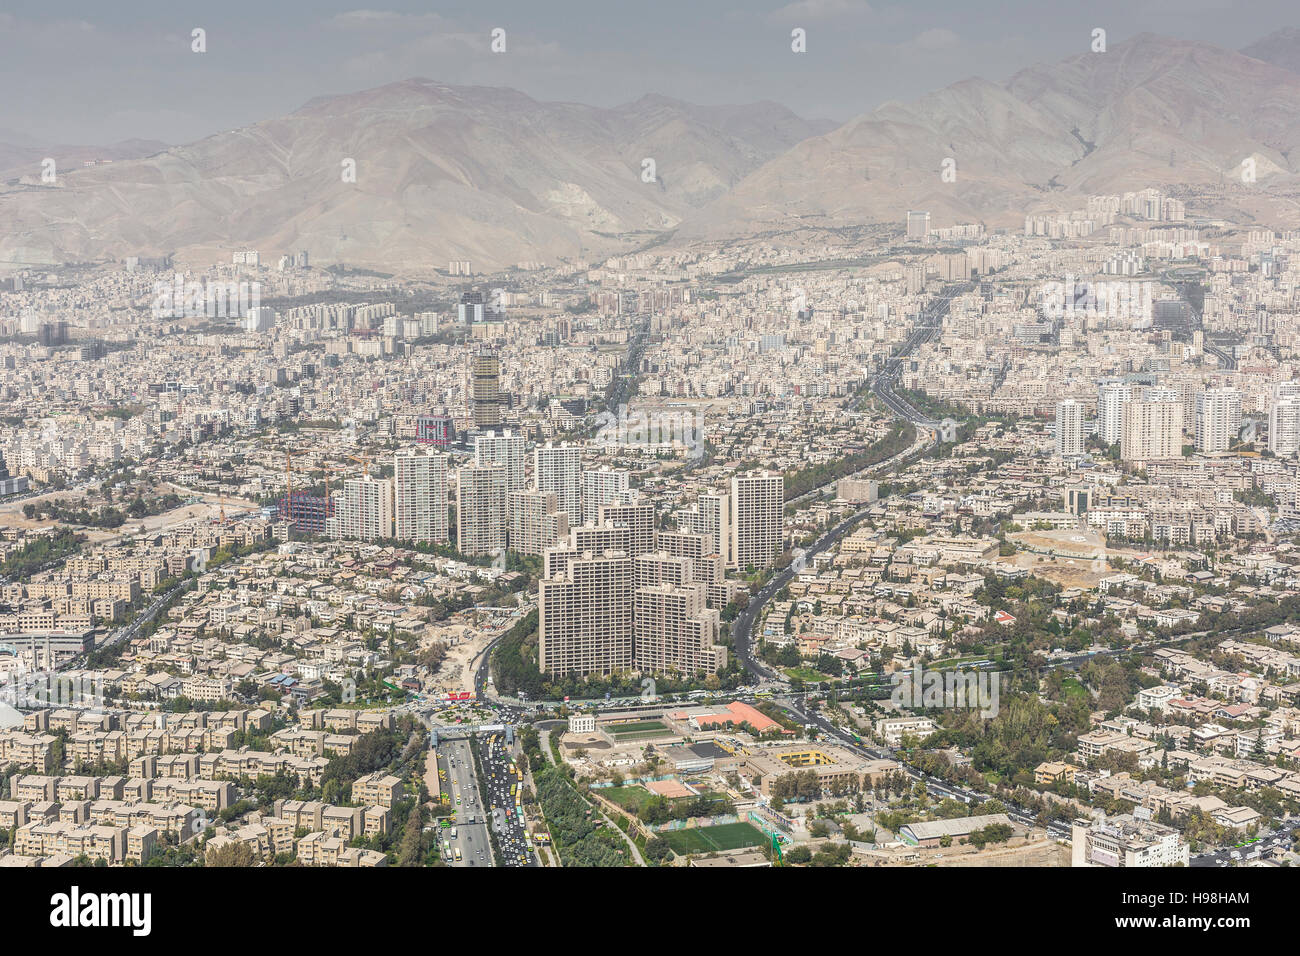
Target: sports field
639, 728
725, 836
629, 798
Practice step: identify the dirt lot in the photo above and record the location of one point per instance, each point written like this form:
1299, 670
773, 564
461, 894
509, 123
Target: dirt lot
1035, 851
464, 644
1074, 558
209, 509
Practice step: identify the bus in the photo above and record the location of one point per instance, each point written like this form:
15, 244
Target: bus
457, 854
764, 695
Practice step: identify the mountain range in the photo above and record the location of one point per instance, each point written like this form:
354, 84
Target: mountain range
496, 177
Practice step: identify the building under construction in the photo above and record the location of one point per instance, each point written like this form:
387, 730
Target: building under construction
307, 513
485, 390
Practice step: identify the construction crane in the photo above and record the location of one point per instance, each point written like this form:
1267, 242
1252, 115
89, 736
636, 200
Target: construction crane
327, 469
365, 462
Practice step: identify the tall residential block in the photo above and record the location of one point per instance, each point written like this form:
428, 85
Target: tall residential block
505, 451
602, 486
1111, 399
585, 616
536, 522
757, 519
420, 495
1152, 431
1218, 419
711, 517
480, 510
1069, 428
558, 468
363, 510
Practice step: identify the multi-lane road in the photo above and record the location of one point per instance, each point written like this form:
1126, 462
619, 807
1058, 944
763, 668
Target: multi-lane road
504, 787
927, 326
468, 830
935, 786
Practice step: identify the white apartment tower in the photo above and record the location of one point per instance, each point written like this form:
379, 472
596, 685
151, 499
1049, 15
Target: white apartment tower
1069, 428
711, 517
1218, 419
480, 510
363, 510
1284, 420
1111, 399
757, 512
558, 468
603, 486
420, 495
504, 451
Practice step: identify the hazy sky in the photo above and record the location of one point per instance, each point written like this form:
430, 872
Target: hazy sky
96, 72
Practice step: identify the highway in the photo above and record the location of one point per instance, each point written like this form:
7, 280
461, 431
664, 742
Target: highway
936, 787
1266, 840
928, 325
132, 630
456, 774
504, 783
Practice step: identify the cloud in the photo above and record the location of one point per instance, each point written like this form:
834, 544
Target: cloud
820, 10
383, 19
928, 41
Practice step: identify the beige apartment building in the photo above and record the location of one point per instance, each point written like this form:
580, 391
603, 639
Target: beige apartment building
420, 496
585, 616
675, 632
1152, 430
481, 510
536, 521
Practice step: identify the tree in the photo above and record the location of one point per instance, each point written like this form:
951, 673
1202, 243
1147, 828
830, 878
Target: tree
412, 849
234, 853
657, 850
798, 854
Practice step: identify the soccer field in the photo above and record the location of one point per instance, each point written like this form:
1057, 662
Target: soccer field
726, 836
640, 728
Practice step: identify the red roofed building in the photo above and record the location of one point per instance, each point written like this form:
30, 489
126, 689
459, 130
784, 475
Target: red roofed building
735, 714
